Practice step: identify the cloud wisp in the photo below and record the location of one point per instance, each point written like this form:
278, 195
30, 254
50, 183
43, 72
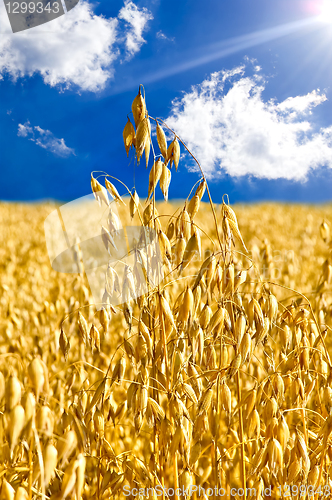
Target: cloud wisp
79, 49
45, 139
231, 129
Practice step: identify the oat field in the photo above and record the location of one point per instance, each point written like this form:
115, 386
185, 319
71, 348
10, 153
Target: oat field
214, 382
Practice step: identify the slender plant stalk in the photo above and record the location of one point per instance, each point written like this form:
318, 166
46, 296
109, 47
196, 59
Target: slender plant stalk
243, 464
176, 475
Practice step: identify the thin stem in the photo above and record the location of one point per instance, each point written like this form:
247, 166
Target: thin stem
203, 175
243, 465
321, 468
30, 467
176, 477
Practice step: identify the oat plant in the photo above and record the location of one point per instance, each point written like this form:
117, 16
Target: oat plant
212, 377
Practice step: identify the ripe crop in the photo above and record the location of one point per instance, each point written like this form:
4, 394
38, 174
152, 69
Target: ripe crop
218, 375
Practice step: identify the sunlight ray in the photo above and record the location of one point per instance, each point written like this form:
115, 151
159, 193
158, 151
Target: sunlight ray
219, 50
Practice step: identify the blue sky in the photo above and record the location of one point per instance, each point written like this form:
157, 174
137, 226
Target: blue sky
247, 85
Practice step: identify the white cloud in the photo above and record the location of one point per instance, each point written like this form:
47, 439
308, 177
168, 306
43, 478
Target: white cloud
45, 139
78, 49
136, 21
302, 103
234, 130
24, 130
162, 36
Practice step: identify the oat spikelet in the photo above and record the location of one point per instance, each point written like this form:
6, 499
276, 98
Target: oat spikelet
205, 316
230, 216
273, 307
83, 326
112, 281
239, 279
195, 453
254, 424
229, 279
99, 191
167, 311
313, 476
325, 231
245, 347
201, 189
36, 376
205, 401
186, 307
240, 328
94, 339
104, 319
16, 424
2, 386
294, 470
211, 271
12, 393
216, 320
157, 410
165, 245
65, 446
143, 329
128, 314
303, 451
80, 472
193, 247
226, 399
235, 365
190, 393
148, 214
133, 203
173, 153
113, 191
138, 108
162, 142
283, 433
7, 491
50, 458
165, 180
184, 223
147, 151
21, 494
128, 136
186, 482
155, 173
119, 370
142, 398
180, 249
64, 344
69, 480
114, 223
193, 206
275, 454
203, 270
108, 240
142, 137
97, 395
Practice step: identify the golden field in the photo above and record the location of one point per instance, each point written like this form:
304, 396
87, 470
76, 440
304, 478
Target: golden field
184, 353
163, 402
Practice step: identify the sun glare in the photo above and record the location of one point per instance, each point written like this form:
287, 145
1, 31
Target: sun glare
326, 11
